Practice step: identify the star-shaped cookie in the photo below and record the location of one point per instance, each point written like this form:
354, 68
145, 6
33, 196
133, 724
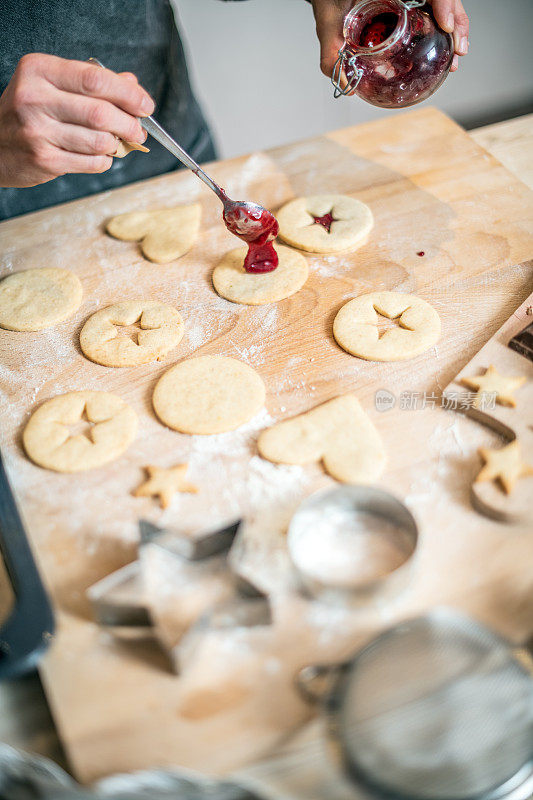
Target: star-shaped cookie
505, 465
502, 386
164, 483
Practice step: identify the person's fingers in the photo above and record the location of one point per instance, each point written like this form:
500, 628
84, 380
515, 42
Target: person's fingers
74, 162
460, 31
444, 11
343, 82
129, 76
77, 139
329, 18
452, 17
53, 161
91, 80
99, 115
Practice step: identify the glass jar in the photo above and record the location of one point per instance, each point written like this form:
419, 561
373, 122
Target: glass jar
394, 54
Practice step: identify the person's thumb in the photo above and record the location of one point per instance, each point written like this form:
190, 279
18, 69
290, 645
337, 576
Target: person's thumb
329, 17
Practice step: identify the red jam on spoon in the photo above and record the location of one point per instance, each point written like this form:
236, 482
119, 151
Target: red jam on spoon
325, 221
258, 228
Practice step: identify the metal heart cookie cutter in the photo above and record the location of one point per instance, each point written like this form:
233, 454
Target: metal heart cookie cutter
436, 708
352, 545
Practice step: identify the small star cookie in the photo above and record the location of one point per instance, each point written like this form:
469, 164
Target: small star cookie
505, 465
493, 383
164, 483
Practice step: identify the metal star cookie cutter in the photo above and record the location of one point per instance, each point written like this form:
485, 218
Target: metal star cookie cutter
143, 598
117, 600
208, 544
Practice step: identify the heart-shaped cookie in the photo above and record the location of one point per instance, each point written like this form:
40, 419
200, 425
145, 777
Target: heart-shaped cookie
338, 433
164, 234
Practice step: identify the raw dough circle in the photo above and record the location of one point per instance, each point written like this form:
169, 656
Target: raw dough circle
209, 394
49, 443
38, 298
231, 280
161, 329
355, 326
352, 222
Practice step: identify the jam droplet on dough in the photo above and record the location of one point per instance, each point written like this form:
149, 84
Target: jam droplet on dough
325, 221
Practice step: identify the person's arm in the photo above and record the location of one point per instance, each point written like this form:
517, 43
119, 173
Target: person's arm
59, 116
329, 17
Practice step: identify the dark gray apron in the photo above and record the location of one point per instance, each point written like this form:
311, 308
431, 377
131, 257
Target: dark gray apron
138, 36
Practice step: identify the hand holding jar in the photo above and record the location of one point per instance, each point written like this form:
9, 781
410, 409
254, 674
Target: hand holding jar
403, 34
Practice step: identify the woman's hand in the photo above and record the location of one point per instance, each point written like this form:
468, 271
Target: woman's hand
59, 116
329, 17
452, 17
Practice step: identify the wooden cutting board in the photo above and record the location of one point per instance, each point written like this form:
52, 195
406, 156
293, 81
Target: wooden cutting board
432, 190
504, 353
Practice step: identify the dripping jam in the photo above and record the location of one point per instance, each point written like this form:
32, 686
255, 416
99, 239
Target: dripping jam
258, 232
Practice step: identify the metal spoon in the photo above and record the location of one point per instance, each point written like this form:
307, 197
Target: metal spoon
243, 218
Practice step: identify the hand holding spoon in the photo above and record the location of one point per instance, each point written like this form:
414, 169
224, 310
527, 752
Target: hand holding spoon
249, 221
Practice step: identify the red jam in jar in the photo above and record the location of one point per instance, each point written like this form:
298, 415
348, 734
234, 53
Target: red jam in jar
394, 54
378, 29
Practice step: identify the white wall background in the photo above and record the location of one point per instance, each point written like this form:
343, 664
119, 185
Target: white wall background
275, 42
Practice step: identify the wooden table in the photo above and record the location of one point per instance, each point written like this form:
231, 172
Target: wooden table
24, 720
511, 143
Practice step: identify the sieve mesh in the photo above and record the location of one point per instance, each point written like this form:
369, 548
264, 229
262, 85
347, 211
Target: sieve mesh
437, 708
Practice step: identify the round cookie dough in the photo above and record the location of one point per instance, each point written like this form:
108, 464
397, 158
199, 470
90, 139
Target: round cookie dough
161, 330
352, 222
231, 280
209, 394
355, 326
38, 298
49, 443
